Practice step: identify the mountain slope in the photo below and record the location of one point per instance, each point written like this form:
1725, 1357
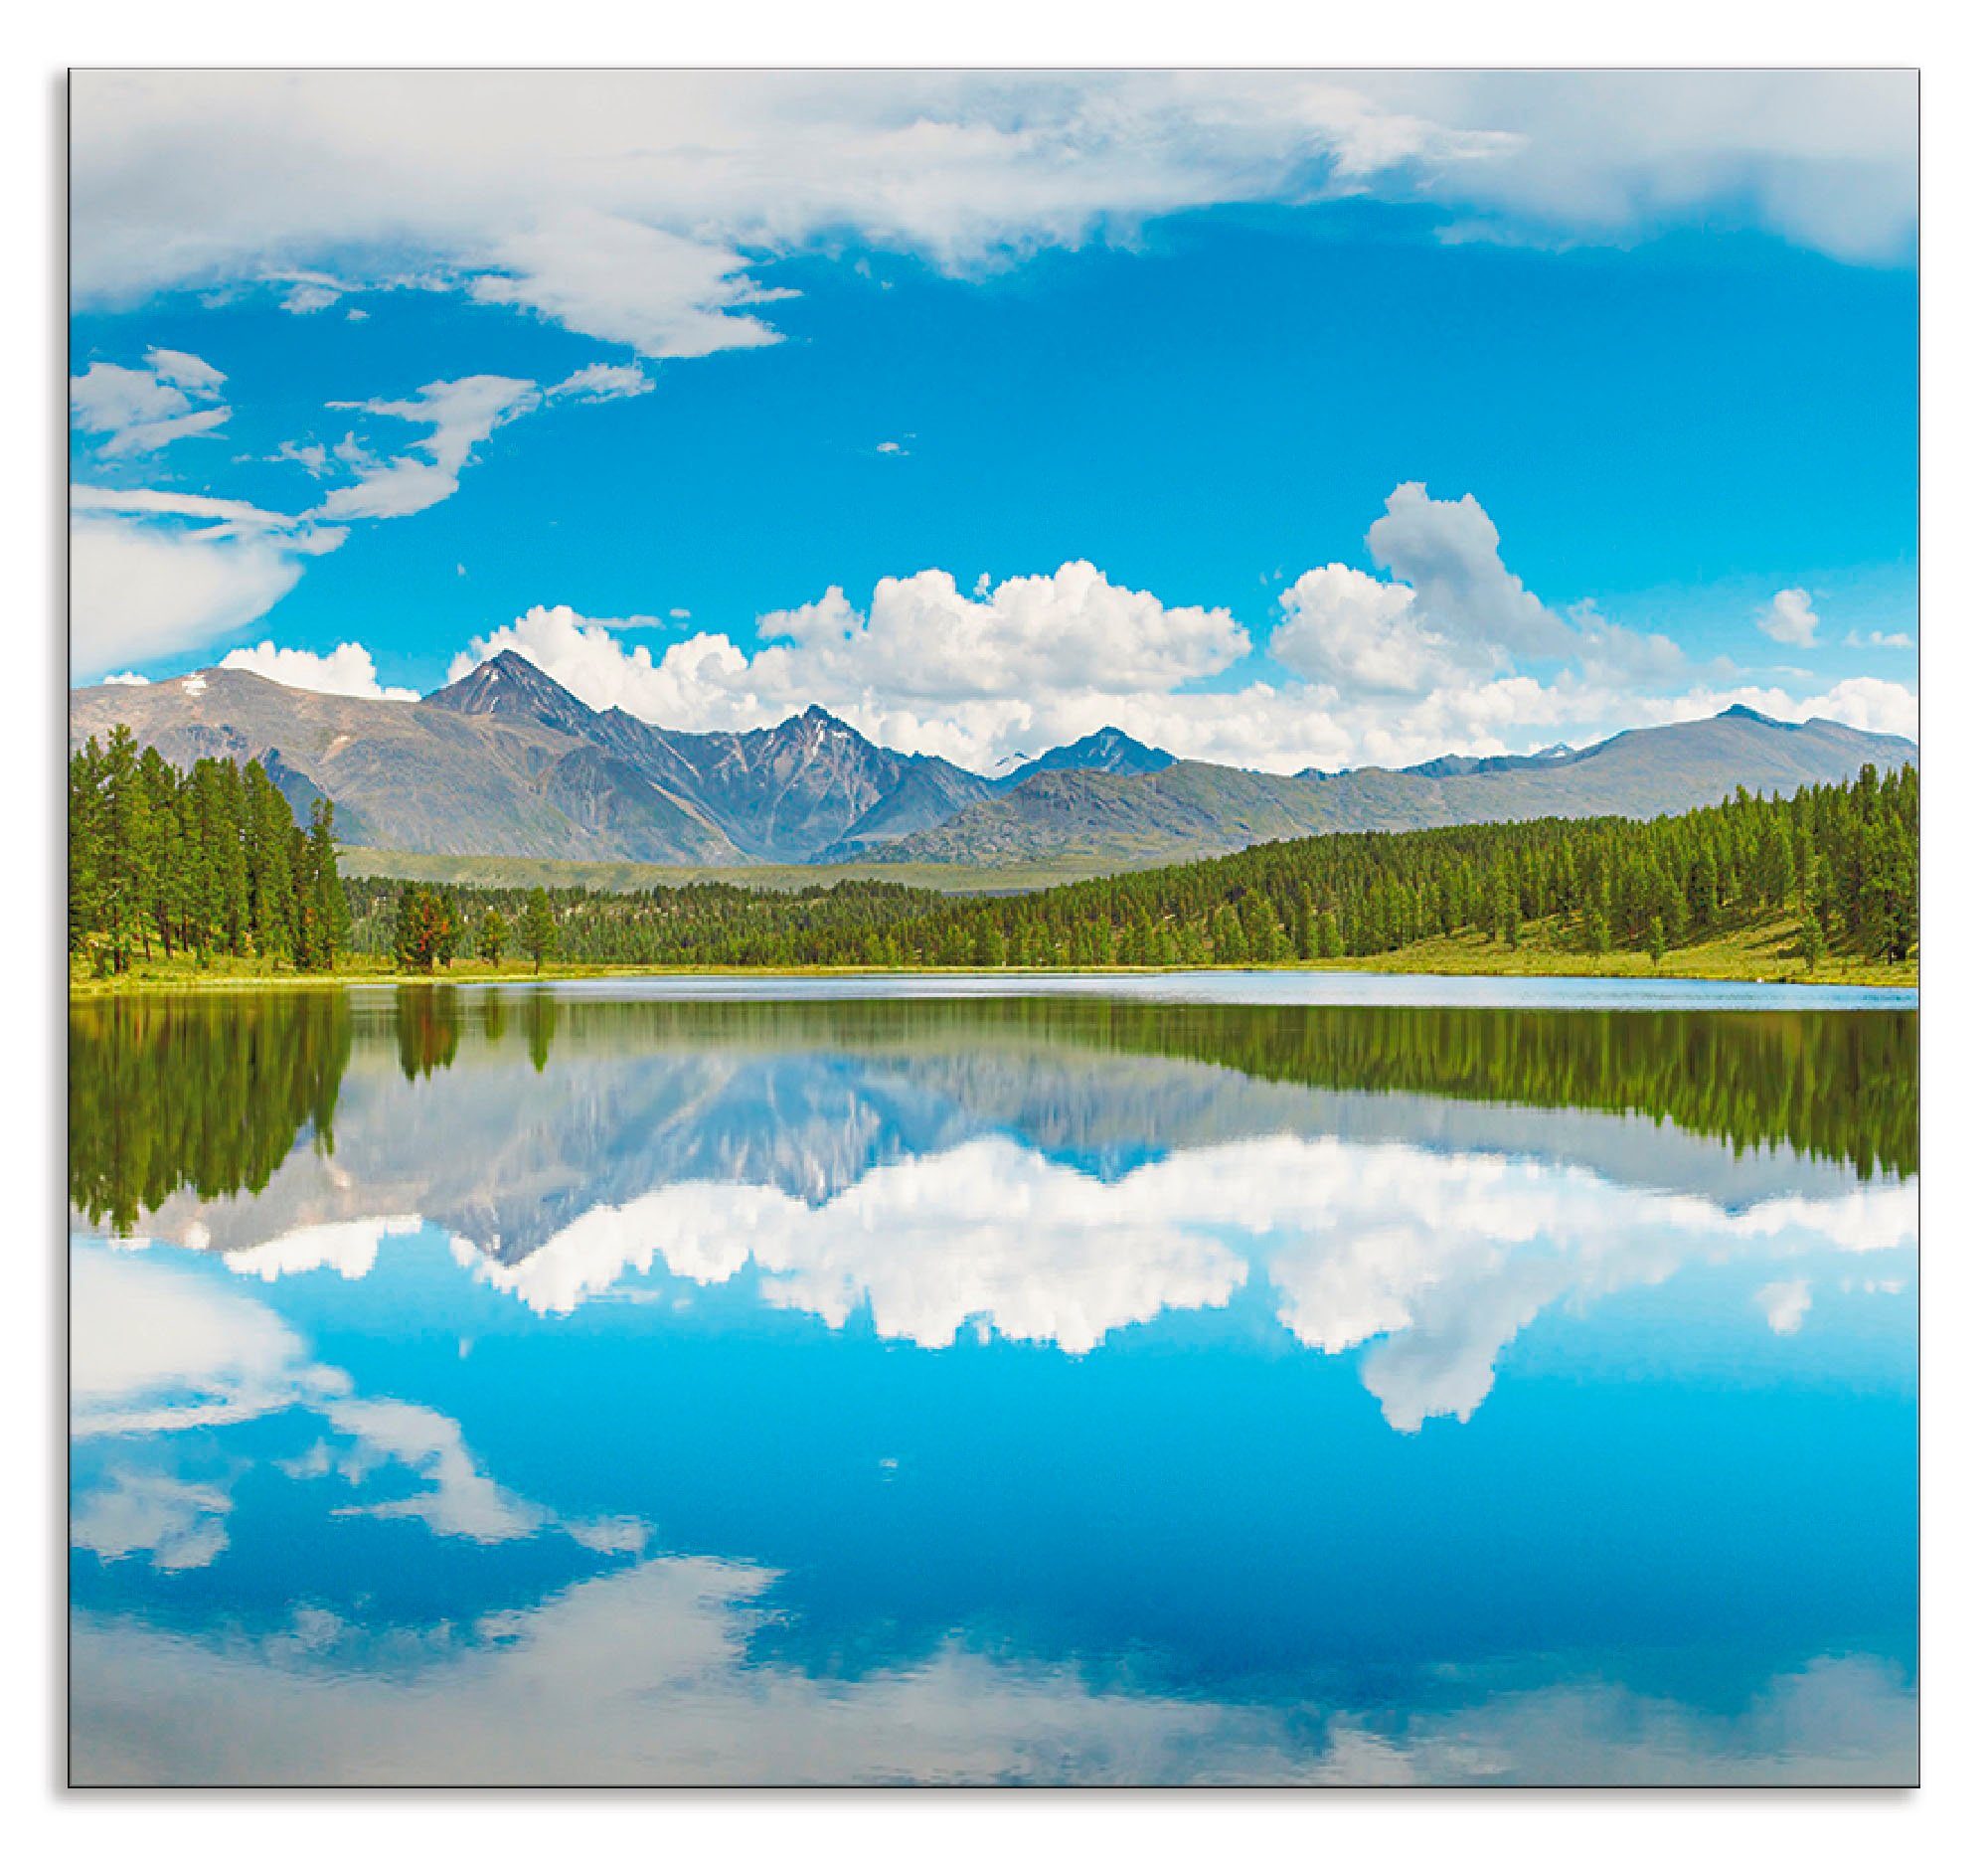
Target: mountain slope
1194, 809
506, 763
418, 777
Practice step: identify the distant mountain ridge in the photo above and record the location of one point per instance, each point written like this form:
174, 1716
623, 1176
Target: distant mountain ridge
1196, 809
507, 761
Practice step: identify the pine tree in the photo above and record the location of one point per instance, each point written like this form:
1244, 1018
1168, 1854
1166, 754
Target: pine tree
539, 937
331, 916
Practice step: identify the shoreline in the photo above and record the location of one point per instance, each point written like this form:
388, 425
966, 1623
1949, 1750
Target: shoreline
149, 982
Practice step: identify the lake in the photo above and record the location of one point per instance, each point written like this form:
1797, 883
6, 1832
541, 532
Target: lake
1253, 1379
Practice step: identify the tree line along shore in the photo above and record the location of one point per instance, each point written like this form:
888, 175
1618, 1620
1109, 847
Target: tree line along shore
206, 874
166, 1094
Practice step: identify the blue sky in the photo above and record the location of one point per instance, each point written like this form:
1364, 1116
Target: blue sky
1176, 409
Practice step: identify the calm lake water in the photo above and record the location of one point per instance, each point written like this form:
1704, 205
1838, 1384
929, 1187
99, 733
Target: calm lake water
1164, 1383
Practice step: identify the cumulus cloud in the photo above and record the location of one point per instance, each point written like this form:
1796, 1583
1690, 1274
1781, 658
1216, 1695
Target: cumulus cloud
1449, 552
923, 639
1041, 660
926, 666
129, 679
1790, 619
344, 670
1450, 613
1035, 660
107, 397
131, 411
1346, 628
455, 1497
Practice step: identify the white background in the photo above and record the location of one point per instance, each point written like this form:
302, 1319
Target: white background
1937, 39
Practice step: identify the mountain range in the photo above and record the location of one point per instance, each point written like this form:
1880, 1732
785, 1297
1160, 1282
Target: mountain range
506, 762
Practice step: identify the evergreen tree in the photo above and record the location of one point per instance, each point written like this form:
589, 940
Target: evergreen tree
539, 937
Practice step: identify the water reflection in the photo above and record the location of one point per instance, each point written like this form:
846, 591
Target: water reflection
996, 1388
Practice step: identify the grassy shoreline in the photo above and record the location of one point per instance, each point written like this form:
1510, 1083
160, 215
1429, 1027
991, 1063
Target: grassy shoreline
1755, 953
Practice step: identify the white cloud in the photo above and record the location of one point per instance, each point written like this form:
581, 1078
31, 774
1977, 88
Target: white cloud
344, 670
1346, 628
1451, 614
631, 205
152, 1351
655, 1669
460, 414
176, 1525
1867, 703
1452, 653
306, 300
157, 572
1440, 1258
145, 585
926, 666
1790, 619
603, 381
1448, 553
923, 671
455, 1499
923, 640
106, 397
603, 275
311, 457
1822, 158
135, 411
350, 1248
130, 679
1784, 1304
141, 592
137, 441
1881, 641
184, 370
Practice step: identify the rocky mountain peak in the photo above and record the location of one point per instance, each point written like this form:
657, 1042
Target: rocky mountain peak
510, 684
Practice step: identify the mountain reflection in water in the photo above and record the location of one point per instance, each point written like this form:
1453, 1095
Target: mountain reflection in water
1044, 1388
